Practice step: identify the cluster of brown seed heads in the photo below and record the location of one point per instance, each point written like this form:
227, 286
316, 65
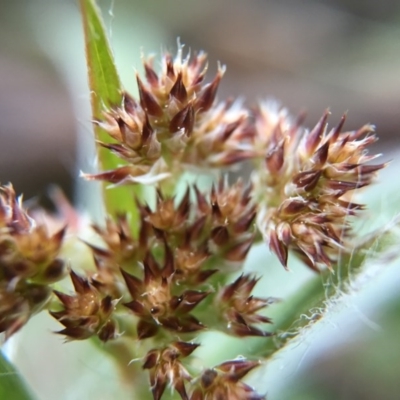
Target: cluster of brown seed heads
166, 279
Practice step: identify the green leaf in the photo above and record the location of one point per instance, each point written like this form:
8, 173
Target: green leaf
105, 91
12, 385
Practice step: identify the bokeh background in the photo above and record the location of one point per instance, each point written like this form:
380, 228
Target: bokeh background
308, 55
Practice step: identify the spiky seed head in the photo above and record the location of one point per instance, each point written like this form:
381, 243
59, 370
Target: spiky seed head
174, 123
85, 313
224, 382
239, 309
304, 184
166, 368
154, 302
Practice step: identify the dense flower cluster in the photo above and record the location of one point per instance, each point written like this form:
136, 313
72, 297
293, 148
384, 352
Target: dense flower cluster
175, 124
29, 262
167, 277
164, 275
305, 186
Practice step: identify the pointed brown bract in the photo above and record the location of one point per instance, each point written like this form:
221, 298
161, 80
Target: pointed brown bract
184, 119
239, 309
178, 90
166, 368
224, 382
305, 183
86, 313
148, 101
121, 175
207, 96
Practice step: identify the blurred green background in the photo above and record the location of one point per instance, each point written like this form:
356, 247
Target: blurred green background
309, 55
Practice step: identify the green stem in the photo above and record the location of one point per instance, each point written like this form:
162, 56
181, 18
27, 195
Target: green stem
105, 92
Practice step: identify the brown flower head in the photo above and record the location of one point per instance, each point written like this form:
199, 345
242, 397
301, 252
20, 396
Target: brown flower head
175, 123
165, 368
167, 215
305, 184
86, 313
230, 214
27, 250
239, 309
18, 304
224, 382
154, 300
29, 262
120, 250
189, 241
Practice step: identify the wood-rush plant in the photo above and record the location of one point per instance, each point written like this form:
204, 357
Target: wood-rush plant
164, 264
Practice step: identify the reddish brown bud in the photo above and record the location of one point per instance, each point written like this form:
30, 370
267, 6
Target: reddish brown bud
239, 368
107, 332
147, 131
220, 235
148, 101
178, 90
229, 129
284, 233
130, 104
313, 139
202, 204
118, 175
81, 285
187, 301
185, 348
151, 75
184, 324
184, 119
334, 134
320, 156
278, 248
207, 97
55, 271
292, 206
307, 180
146, 329
169, 64
275, 158
133, 284
138, 308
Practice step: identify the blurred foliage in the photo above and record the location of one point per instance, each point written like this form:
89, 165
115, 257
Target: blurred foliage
12, 385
